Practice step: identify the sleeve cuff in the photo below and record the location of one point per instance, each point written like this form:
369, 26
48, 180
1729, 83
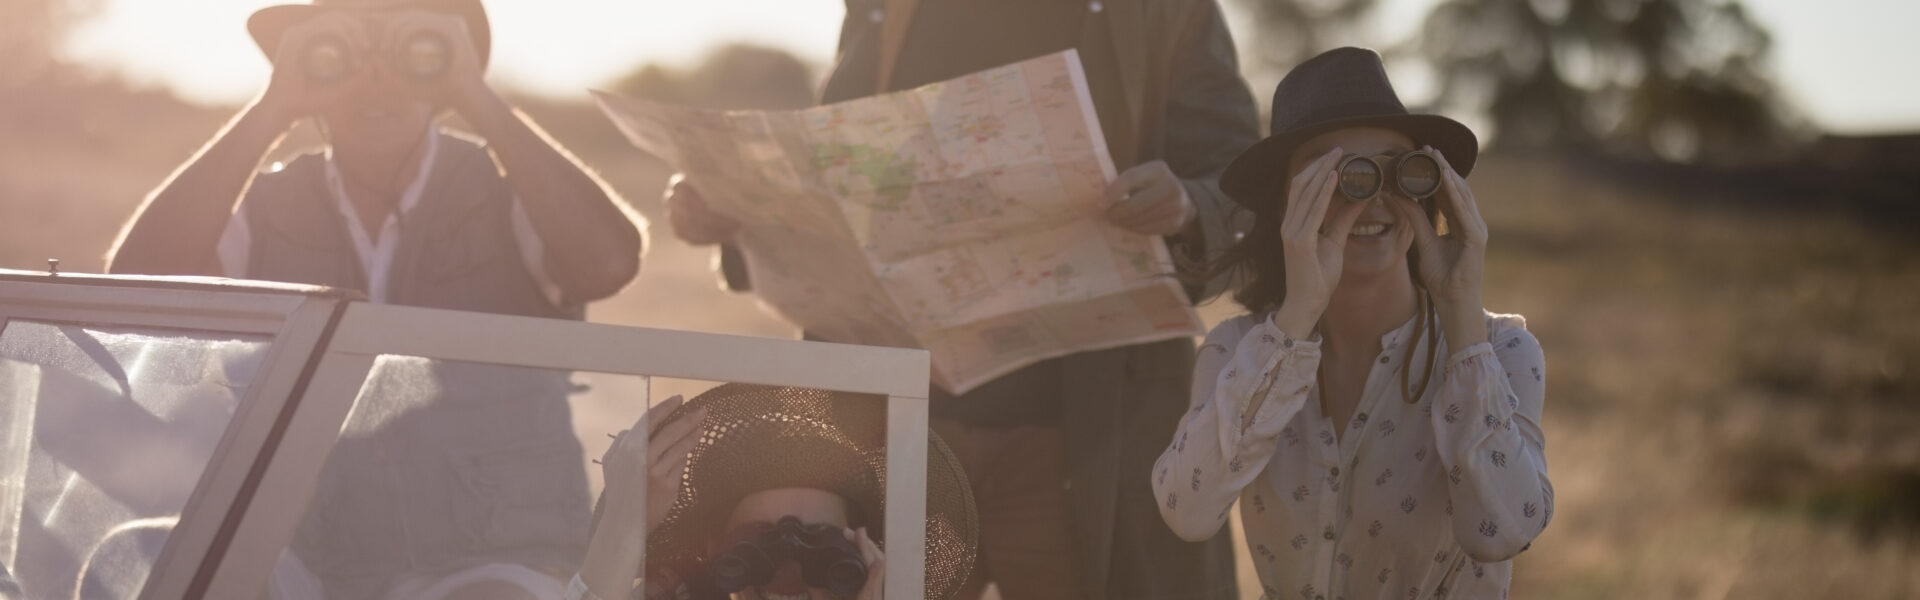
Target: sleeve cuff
1461, 355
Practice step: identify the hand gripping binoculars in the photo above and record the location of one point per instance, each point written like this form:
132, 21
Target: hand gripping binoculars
828, 561
420, 55
1415, 174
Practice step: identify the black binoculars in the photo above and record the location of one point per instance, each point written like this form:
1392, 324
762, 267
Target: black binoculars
827, 560
422, 55
1416, 174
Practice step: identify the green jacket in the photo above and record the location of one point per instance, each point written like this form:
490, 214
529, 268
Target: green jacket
1181, 100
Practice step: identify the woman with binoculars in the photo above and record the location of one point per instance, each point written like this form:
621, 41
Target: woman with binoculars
764, 493
1380, 430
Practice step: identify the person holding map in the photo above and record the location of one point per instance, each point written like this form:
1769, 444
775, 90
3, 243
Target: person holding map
1054, 448
1379, 428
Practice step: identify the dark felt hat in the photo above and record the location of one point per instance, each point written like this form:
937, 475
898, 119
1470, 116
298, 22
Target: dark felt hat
268, 24
1340, 88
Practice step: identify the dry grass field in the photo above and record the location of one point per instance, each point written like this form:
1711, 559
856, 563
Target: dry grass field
1734, 394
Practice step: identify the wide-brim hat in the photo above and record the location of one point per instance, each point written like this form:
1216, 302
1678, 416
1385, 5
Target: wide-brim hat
757, 438
267, 25
1340, 88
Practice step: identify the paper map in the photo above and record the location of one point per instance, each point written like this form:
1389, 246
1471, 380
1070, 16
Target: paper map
962, 217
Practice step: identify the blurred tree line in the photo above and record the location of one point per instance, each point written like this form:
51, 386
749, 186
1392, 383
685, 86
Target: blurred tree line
1676, 80
31, 32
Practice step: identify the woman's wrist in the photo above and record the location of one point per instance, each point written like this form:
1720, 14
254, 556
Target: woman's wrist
1462, 321
1295, 320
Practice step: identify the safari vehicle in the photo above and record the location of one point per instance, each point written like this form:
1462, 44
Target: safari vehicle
162, 437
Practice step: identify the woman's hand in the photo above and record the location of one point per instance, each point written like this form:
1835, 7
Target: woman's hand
1451, 265
1315, 242
666, 460
875, 588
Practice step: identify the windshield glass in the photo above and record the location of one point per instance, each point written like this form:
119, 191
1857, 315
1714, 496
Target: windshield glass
104, 432
454, 478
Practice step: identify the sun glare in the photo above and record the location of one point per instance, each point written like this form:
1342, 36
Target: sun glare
553, 47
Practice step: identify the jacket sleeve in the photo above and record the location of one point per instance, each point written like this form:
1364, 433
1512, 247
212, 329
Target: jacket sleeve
1210, 119
1218, 451
1486, 422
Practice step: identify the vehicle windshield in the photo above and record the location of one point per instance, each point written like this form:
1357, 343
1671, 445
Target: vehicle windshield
104, 432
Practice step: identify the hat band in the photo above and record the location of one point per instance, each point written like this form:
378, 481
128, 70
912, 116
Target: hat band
1345, 110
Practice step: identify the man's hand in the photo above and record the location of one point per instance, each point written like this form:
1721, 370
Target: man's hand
692, 220
291, 93
1149, 199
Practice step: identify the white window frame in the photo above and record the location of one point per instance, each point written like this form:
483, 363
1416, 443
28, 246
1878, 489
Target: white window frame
294, 317
270, 515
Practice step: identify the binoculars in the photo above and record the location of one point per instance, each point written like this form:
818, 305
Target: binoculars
1416, 174
827, 560
421, 55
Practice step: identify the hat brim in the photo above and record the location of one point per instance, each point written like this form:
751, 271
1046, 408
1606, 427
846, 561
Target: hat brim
757, 437
1259, 175
269, 25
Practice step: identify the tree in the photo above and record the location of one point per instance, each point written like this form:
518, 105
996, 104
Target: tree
31, 32
1683, 80
736, 76
1294, 30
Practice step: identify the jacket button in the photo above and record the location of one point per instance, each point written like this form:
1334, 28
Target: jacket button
1066, 484
876, 15
1336, 471
1096, 6
1328, 534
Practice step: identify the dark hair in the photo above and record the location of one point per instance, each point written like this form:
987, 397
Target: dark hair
1257, 264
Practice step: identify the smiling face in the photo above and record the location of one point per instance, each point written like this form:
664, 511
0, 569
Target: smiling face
1378, 242
812, 507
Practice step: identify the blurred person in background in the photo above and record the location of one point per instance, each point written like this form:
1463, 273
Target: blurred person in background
1380, 429
789, 483
481, 492
1053, 448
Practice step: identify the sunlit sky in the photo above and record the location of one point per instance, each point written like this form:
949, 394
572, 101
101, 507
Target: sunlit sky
1848, 64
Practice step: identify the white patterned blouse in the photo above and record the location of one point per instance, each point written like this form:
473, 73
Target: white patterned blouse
1428, 499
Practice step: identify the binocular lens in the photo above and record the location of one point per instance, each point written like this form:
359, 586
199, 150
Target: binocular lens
1419, 175
741, 566
426, 55
326, 59
1359, 178
845, 577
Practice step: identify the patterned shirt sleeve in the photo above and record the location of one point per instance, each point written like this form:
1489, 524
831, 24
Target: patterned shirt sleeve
1486, 422
1219, 449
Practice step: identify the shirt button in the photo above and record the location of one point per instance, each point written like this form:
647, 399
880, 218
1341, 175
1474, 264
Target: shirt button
876, 15
1066, 484
1328, 534
1383, 360
1336, 471
1096, 6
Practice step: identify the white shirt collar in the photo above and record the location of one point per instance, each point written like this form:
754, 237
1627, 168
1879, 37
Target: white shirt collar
376, 252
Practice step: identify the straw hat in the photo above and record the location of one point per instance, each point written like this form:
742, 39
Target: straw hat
757, 438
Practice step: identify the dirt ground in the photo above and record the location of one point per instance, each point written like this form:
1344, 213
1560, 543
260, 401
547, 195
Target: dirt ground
1733, 394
